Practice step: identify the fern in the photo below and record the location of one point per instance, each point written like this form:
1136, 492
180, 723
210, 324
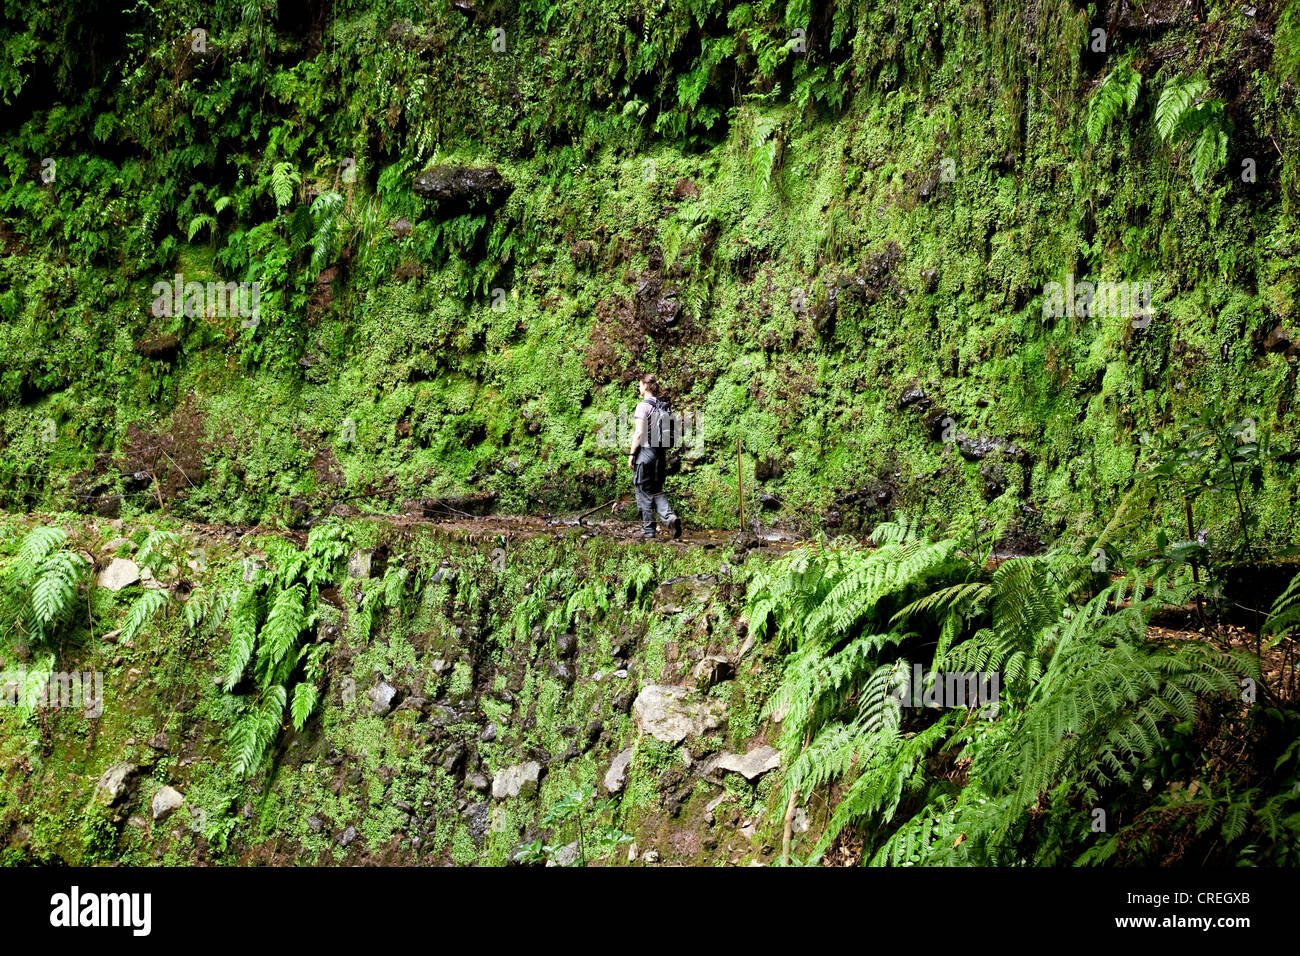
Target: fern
1174, 109
254, 731
283, 179
305, 698
54, 587
1117, 93
1184, 115
149, 603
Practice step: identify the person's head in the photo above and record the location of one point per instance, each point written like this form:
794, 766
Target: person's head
648, 386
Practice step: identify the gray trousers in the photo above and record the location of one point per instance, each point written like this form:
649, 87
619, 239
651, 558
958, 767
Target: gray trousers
650, 498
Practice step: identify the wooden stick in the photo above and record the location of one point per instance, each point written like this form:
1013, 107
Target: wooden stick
586, 514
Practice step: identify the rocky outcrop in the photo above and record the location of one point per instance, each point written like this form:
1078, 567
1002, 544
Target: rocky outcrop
671, 714
517, 781
461, 185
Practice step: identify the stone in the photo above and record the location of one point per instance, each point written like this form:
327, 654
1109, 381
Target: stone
120, 573
517, 781
115, 783
460, 184
165, 801
478, 782
359, 564
712, 670
1278, 340
566, 855
160, 347
671, 714
616, 776
650, 856
752, 765
347, 836
489, 733
566, 645
563, 672
713, 805
381, 698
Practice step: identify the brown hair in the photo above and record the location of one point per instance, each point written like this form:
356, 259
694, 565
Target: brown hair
652, 384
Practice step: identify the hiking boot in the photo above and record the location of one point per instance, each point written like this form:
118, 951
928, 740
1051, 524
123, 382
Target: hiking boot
675, 526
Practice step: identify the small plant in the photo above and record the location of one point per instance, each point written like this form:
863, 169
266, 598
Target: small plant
267, 621
592, 820
40, 588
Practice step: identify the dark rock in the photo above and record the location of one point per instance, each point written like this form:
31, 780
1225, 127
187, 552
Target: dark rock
685, 187
108, 506
160, 742
478, 782
566, 646
402, 228
315, 824
563, 672
162, 348
454, 762
769, 502
461, 184
489, 733
914, 396
623, 702
1278, 340
478, 817
347, 836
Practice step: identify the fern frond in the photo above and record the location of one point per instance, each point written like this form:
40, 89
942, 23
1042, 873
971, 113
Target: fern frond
1175, 104
149, 603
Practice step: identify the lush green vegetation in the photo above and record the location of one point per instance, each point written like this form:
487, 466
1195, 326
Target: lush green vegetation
1024, 273
1099, 743
794, 213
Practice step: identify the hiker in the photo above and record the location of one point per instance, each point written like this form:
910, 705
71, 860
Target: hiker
648, 458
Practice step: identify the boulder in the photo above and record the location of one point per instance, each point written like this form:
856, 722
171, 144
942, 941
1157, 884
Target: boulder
616, 776
517, 781
461, 184
752, 765
711, 670
116, 783
359, 564
671, 714
165, 801
381, 698
120, 573
566, 855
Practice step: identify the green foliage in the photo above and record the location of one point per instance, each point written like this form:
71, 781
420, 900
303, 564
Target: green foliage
40, 588
1081, 701
1184, 114
578, 812
266, 622
148, 604
1117, 93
